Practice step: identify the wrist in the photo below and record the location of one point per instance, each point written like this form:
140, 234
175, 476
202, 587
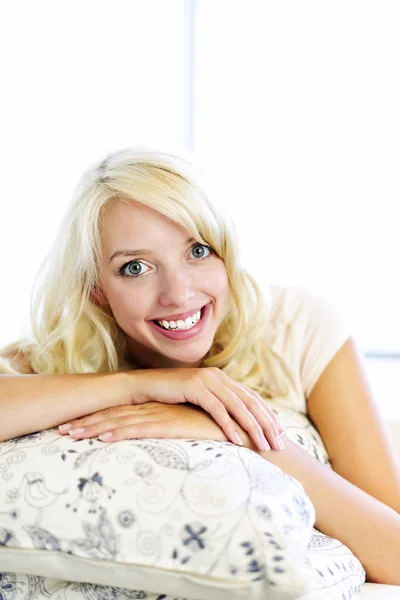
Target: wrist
125, 387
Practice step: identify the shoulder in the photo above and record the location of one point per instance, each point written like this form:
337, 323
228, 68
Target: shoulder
287, 310
18, 361
307, 328
291, 304
299, 305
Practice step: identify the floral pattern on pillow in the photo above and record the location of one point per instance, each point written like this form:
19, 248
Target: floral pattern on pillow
198, 508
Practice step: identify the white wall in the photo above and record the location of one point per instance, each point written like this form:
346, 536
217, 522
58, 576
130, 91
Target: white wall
78, 79
297, 118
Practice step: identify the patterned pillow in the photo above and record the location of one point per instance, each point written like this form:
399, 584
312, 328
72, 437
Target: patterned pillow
146, 518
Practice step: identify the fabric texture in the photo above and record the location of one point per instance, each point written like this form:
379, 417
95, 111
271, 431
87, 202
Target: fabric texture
207, 518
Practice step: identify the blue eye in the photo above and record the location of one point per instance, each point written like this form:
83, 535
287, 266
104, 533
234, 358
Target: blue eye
133, 268
199, 250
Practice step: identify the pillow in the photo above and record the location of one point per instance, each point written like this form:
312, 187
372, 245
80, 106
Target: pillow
146, 518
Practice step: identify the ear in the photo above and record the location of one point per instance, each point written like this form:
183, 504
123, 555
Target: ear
98, 297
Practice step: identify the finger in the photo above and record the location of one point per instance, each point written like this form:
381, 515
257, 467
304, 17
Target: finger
149, 429
247, 413
223, 403
95, 429
114, 412
263, 404
92, 418
268, 425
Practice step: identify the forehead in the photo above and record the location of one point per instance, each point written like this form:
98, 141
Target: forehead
130, 223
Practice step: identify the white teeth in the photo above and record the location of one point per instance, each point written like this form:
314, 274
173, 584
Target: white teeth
187, 324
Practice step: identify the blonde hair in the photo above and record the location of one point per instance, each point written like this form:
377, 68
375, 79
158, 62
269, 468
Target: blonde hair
73, 334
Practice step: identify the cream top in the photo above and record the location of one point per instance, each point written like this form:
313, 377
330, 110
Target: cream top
306, 331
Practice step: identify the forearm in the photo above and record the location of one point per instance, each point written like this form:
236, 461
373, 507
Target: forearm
30, 403
369, 528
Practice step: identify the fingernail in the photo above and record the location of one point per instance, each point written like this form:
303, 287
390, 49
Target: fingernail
76, 431
263, 442
65, 427
279, 442
237, 439
278, 424
105, 436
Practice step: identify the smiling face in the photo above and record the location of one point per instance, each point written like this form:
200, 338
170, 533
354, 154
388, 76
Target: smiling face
151, 270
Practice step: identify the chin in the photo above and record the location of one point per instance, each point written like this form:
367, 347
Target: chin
189, 357
188, 360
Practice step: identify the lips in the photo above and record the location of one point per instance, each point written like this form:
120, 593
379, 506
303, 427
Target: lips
184, 334
180, 316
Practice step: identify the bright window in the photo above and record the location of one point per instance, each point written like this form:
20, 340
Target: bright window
297, 118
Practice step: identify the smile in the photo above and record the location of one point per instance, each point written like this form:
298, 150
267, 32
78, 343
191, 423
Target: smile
188, 323
182, 330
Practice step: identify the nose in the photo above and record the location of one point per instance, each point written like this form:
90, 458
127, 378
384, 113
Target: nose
177, 289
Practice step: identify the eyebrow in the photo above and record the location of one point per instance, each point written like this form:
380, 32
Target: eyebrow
141, 251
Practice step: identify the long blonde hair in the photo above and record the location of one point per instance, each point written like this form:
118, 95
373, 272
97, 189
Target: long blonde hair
73, 334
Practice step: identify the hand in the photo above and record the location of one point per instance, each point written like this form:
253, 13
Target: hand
150, 420
214, 391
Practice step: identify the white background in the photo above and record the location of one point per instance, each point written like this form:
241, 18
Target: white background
297, 117
79, 79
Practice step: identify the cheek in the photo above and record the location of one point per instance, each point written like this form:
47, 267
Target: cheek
125, 304
219, 283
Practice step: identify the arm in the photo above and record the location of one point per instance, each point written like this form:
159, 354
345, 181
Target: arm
359, 502
30, 403
365, 525
344, 411
369, 528
34, 402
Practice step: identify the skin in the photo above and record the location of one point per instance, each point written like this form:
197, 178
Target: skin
172, 280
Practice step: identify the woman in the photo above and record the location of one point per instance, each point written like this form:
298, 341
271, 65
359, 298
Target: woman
145, 325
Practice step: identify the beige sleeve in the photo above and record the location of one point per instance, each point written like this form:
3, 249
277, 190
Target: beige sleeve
324, 330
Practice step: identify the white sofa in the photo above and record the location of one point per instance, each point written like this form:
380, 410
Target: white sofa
374, 591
